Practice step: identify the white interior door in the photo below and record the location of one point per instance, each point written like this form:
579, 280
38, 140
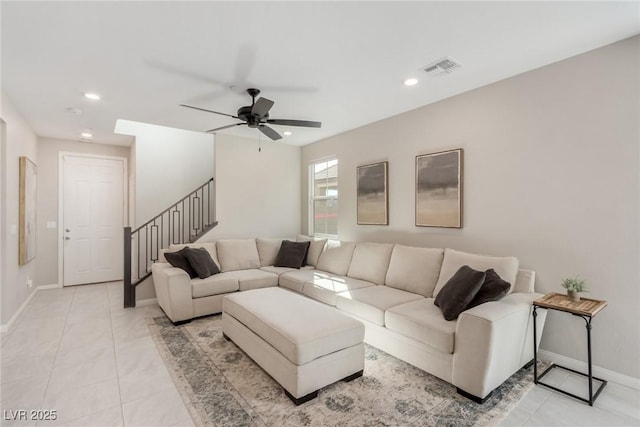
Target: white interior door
93, 220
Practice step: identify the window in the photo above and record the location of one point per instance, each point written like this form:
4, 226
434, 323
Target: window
323, 198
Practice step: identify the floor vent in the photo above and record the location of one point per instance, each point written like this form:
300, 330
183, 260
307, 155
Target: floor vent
442, 66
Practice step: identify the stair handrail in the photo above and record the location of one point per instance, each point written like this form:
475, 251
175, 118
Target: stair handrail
185, 219
172, 206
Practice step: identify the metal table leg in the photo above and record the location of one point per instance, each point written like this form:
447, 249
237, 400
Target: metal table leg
535, 345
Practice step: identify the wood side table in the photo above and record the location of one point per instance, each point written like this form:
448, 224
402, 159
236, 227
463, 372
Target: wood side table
586, 308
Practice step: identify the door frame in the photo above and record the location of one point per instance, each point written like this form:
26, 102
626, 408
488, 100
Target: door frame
125, 183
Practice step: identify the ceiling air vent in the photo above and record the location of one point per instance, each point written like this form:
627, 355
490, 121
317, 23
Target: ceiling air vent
441, 66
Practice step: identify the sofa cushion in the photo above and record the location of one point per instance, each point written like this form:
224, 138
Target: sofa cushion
282, 270
525, 281
268, 250
254, 279
209, 246
506, 267
336, 257
237, 254
201, 262
493, 289
458, 292
370, 262
292, 254
315, 248
414, 269
422, 321
222, 283
325, 289
295, 279
179, 259
371, 303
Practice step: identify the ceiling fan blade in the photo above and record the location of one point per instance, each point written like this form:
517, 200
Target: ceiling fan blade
287, 122
269, 132
208, 111
261, 107
225, 127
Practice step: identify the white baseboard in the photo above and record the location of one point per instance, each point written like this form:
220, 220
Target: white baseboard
7, 326
605, 374
144, 302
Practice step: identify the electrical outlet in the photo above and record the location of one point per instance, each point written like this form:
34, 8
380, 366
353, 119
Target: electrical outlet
29, 283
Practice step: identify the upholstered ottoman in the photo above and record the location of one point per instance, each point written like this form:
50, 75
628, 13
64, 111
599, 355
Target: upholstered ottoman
303, 344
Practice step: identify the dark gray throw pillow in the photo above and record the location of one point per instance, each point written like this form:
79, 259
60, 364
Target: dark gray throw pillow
202, 262
178, 259
459, 291
494, 288
292, 254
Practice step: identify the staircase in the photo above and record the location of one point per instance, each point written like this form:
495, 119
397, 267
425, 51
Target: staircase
183, 222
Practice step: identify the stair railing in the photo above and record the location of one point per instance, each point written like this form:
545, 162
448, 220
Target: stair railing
183, 222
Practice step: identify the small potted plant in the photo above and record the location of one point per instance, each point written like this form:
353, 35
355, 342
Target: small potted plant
573, 285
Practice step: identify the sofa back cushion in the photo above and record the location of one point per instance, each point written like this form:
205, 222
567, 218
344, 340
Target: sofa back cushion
315, 249
237, 254
336, 257
414, 269
525, 281
506, 267
209, 246
370, 262
268, 250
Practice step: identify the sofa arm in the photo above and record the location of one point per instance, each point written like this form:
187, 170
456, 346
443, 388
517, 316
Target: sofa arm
173, 291
493, 341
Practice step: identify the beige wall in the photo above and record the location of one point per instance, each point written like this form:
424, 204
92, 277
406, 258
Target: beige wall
19, 140
169, 164
551, 176
48, 159
257, 192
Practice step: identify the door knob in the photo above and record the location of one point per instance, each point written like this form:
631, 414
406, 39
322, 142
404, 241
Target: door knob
67, 230
67, 238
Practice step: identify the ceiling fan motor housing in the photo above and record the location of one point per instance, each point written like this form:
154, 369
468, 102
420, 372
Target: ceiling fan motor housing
244, 113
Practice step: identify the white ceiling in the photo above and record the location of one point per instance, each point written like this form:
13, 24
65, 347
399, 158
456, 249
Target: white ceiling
336, 62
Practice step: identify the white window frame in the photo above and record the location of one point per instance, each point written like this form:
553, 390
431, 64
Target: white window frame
313, 198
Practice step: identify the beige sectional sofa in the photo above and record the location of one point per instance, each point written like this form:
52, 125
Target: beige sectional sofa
391, 289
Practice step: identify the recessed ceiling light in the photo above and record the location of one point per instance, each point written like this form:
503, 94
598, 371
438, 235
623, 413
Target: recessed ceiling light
287, 133
92, 96
411, 82
86, 135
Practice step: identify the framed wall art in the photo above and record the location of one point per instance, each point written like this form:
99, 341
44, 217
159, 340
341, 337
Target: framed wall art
373, 197
27, 211
439, 189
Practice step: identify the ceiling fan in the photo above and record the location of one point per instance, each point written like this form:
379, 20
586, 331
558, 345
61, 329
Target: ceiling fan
256, 115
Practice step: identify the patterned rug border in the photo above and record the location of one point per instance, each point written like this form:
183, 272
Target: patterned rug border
192, 403
198, 410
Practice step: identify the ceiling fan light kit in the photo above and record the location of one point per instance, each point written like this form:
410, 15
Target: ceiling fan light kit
256, 116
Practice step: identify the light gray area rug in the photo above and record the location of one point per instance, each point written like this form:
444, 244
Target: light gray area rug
222, 386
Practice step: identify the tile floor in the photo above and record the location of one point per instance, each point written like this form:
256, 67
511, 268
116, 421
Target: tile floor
77, 351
